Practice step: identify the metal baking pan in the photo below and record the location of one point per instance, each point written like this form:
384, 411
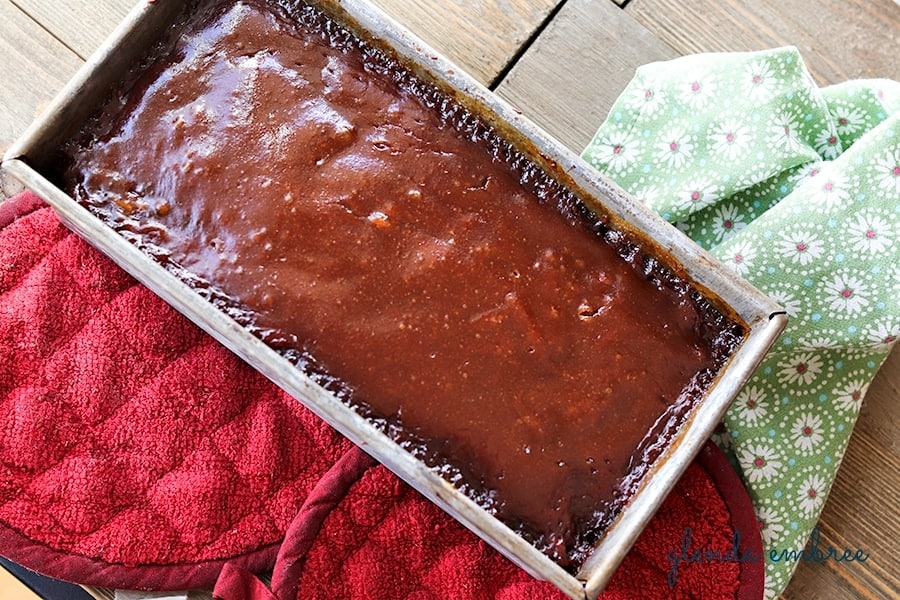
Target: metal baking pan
764, 320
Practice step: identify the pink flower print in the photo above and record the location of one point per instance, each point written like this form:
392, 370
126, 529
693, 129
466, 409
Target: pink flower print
770, 526
730, 139
802, 368
886, 173
884, 333
784, 133
817, 343
758, 81
615, 152
787, 301
698, 89
849, 120
741, 258
696, 194
806, 172
751, 404
645, 99
649, 195
846, 293
727, 221
811, 494
828, 144
832, 189
870, 233
801, 246
675, 148
849, 397
807, 432
759, 462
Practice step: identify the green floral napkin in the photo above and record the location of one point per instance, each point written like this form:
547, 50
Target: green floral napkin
797, 189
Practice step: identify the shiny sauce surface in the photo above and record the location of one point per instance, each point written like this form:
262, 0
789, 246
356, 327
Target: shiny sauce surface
408, 258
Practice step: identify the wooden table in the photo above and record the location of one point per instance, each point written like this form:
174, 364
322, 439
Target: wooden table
563, 62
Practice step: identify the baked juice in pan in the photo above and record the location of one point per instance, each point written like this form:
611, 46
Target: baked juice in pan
411, 258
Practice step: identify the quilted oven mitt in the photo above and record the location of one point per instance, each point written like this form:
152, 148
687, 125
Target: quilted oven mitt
136, 452
797, 189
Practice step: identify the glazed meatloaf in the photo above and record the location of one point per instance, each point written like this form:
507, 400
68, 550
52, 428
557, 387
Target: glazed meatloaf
408, 257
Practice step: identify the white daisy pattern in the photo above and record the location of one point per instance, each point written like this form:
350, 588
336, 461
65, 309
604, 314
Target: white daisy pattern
811, 494
727, 221
752, 405
699, 89
742, 257
884, 333
770, 524
828, 144
849, 120
846, 293
784, 133
788, 301
760, 462
615, 152
645, 99
801, 368
801, 246
695, 195
807, 432
849, 397
832, 189
759, 81
808, 171
675, 147
730, 138
870, 232
886, 171
819, 342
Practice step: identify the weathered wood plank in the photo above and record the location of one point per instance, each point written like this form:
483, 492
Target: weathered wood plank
483, 37
486, 35
570, 76
838, 39
34, 67
880, 416
81, 25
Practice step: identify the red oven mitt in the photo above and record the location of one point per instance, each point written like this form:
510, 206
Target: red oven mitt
138, 453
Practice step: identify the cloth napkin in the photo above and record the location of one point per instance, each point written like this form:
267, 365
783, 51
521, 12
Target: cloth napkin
136, 452
797, 189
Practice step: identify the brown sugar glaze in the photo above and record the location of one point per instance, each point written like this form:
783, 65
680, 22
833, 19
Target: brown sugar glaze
409, 259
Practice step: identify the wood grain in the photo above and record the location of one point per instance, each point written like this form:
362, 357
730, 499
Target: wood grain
570, 76
838, 39
483, 37
81, 25
33, 68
